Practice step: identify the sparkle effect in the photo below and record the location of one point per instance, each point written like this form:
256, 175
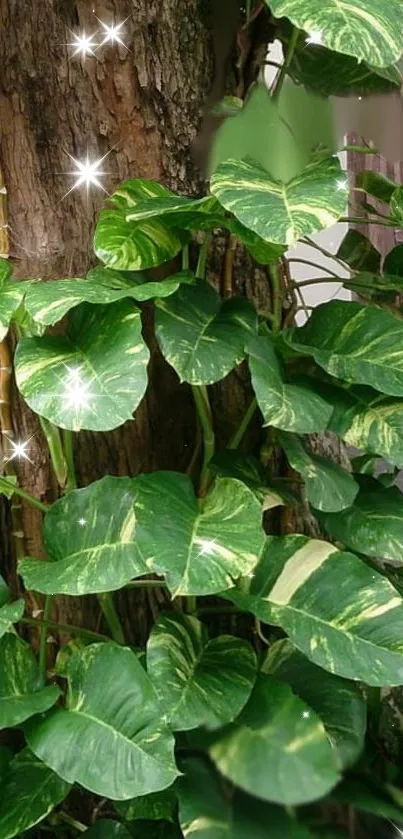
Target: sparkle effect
315, 37
84, 45
82, 522
87, 173
19, 450
342, 186
76, 390
305, 715
112, 33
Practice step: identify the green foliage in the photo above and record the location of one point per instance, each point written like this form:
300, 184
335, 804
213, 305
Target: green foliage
201, 731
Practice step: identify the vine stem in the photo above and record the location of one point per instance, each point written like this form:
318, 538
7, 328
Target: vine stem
203, 408
237, 437
312, 265
307, 241
68, 628
321, 280
146, 584
286, 63
274, 273
111, 616
71, 482
202, 260
43, 640
30, 499
53, 439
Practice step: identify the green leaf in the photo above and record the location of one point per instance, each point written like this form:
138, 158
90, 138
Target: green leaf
21, 693
29, 791
263, 252
4, 591
7, 485
6, 271
207, 812
90, 540
356, 343
277, 749
338, 703
279, 212
359, 253
368, 795
5, 758
332, 74
49, 302
110, 738
328, 486
367, 420
135, 246
230, 463
107, 829
393, 264
342, 614
199, 682
200, 549
375, 184
10, 613
370, 285
93, 377
202, 337
292, 407
396, 206
11, 296
156, 806
369, 30
373, 525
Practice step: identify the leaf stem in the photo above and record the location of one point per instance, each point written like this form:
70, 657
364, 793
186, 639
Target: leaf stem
307, 241
273, 269
286, 63
203, 408
185, 258
71, 482
30, 499
65, 627
312, 265
146, 584
319, 280
237, 437
202, 260
42, 644
111, 616
55, 447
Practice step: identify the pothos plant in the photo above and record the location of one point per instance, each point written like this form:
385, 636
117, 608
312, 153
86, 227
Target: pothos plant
202, 734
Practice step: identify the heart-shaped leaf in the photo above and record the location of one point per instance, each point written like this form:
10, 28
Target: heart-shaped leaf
29, 791
135, 246
281, 212
199, 549
110, 737
93, 377
338, 703
277, 749
328, 486
356, 343
49, 302
90, 540
373, 525
292, 407
21, 695
369, 30
202, 337
199, 682
10, 613
344, 615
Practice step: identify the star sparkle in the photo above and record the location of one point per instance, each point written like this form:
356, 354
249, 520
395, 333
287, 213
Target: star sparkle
87, 173
315, 37
342, 185
19, 450
76, 389
82, 522
84, 44
112, 33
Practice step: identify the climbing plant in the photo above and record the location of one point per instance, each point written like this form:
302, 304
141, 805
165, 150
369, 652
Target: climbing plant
268, 729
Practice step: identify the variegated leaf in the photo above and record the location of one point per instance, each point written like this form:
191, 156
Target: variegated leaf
29, 791
49, 302
110, 737
199, 548
370, 30
135, 246
272, 492
344, 615
281, 212
199, 682
329, 73
10, 613
7, 485
338, 703
328, 486
373, 525
11, 297
21, 693
359, 344
292, 407
90, 541
202, 337
93, 377
153, 807
277, 749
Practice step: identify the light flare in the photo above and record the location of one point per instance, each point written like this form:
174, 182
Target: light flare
315, 37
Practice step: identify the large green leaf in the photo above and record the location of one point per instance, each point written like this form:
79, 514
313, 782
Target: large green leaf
11, 296
344, 615
207, 812
29, 791
277, 749
338, 703
376, 184
200, 549
49, 302
107, 829
292, 407
368, 420
10, 613
90, 540
135, 246
281, 212
21, 692
202, 337
93, 377
156, 806
359, 252
272, 492
110, 737
332, 74
370, 30
199, 682
328, 486
356, 343
373, 525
